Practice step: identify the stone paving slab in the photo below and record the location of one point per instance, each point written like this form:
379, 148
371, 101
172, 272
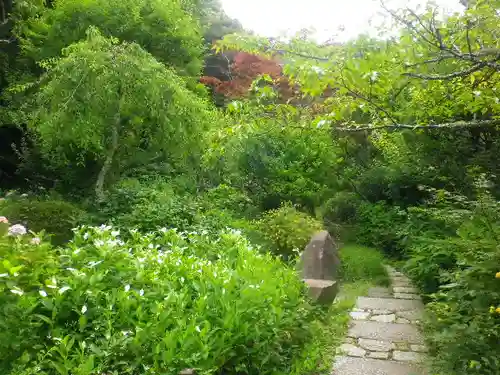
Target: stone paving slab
391, 304
392, 332
383, 338
378, 292
365, 366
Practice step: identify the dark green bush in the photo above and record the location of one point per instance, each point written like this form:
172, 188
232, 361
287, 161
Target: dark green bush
275, 165
378, 225
288, 230
460, 273
55, 216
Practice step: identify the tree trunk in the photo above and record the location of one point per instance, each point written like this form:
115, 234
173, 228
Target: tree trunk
101, 178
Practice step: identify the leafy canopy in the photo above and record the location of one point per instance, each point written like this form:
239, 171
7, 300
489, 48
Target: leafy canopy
107, 99
161, 27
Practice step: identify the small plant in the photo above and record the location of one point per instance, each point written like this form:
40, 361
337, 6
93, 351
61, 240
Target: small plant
288, 230
361, 263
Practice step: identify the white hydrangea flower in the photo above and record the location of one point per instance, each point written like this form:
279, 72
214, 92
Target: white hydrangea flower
17, 230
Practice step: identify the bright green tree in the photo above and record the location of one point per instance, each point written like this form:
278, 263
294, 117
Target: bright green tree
162, 27
110, 102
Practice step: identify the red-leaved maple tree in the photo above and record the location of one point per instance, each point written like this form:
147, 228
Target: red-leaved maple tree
244, 69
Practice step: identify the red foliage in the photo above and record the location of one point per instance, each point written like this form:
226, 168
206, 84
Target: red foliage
244, 70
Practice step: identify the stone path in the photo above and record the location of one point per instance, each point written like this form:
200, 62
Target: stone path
383, 338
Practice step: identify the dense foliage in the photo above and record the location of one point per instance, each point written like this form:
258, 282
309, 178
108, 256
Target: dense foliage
391, 141
160, 302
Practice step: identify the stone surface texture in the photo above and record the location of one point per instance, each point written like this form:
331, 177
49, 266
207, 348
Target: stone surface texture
320, 259
322, 291
383, 337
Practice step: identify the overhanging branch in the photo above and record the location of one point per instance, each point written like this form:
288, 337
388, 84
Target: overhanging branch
448, 125
437, 77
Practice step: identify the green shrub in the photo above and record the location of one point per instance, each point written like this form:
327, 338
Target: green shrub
341, 208
56, 217
378, 225
155, 303
460, 273
275, 165
288, 230
359, 263
148, 205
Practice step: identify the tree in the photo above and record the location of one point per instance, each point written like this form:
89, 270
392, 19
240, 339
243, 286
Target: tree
243, 71
111, 102
437, 70
163, 28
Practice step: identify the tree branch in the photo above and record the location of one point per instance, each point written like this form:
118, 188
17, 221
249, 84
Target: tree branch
449, 125
284, 51
438, 77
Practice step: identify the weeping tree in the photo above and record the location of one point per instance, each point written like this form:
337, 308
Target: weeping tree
112, 101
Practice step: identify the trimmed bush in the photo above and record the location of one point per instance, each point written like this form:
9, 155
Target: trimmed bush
55, 216
156, 303
288, 230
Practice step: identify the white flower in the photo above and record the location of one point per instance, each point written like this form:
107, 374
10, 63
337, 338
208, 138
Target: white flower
141, 292
374, 76
17, 230
163, 230
151, 246
84, 309
64, 289
477, 93
53, 285
104, 228
127, 288
115, 233
3, 219
182, 279
86, 235
126, 333
77, 251
98, 243
35, 241
43, 293
17, 291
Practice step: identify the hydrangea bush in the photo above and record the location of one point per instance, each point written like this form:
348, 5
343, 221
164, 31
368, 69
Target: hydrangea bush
154, 303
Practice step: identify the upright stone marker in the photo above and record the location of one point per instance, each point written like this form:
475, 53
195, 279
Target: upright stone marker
320, 265
320, 259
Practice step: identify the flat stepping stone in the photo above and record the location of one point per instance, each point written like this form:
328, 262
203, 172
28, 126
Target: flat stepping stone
411, 315
379, 292
392, 332
367, 366
391, 304
407, 296
403, 289
376, 345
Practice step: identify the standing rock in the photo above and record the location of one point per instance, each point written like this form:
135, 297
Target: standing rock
320, 259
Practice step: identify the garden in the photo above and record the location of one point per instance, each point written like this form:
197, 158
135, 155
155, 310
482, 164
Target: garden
162, 169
